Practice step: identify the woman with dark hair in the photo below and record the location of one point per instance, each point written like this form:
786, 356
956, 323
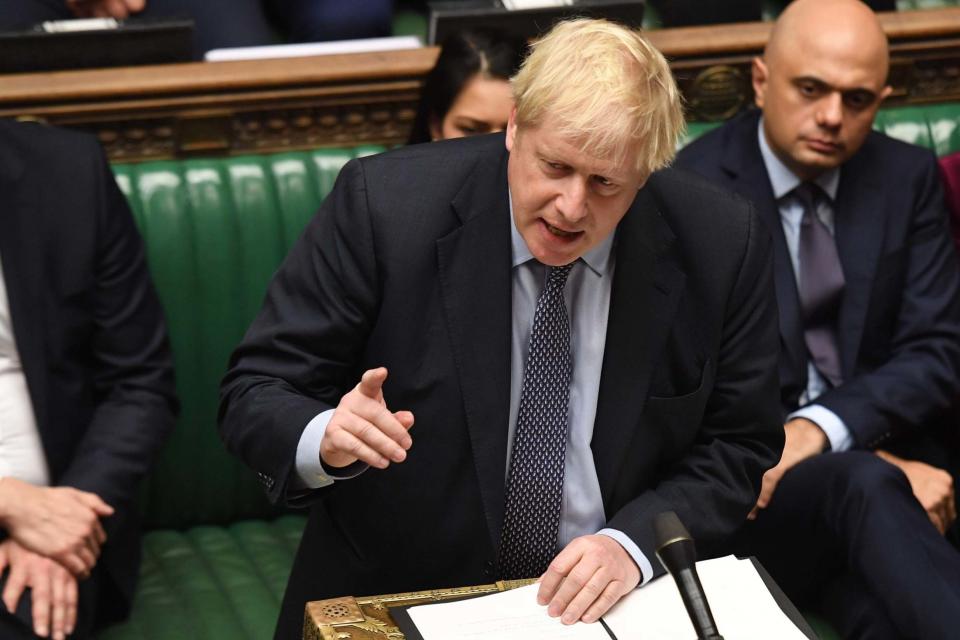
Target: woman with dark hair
468, 91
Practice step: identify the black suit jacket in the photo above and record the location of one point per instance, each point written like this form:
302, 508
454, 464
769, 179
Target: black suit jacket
899, 323
408, 265
88, 327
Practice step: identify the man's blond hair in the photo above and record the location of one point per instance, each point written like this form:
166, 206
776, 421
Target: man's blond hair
607, 88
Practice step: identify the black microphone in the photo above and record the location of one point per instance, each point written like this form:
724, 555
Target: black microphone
678, 555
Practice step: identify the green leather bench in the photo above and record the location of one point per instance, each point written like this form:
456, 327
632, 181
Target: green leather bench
934, 126
216, 555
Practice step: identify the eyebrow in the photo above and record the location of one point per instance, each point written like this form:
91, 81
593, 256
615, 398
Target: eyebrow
815, 80
469, 119
549, 154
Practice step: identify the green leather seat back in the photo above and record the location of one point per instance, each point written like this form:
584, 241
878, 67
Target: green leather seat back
934, 126
216, 230
695, 130
212, 583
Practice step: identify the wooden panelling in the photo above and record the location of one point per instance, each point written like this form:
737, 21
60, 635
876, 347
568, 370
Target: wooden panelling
230, 107
712, 64
268, 105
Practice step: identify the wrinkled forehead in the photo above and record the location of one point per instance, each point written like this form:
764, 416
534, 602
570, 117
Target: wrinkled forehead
554, 142
597, 150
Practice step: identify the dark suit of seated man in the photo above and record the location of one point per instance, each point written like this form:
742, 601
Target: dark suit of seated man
583, 344
867, 287
86, 385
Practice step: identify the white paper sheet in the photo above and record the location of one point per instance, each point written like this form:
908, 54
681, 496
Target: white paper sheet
742, 607
514, 5
509, 615
360, 45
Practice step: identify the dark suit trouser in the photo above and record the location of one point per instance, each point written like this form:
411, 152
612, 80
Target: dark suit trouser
844, 534
940, 448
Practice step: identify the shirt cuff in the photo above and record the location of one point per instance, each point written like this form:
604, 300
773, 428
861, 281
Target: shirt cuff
646, 569
311, 472
837, 432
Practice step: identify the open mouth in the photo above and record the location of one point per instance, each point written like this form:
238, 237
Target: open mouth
560, 233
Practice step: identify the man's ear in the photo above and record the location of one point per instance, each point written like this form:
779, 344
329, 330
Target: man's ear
887, 90
511, 137
760, 76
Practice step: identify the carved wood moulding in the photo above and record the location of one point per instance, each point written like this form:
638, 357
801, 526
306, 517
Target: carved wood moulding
224, 108
712, 64
166, 111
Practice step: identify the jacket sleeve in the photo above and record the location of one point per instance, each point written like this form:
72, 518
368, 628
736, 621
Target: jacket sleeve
132, 365
299, 356
716, 482
918, 376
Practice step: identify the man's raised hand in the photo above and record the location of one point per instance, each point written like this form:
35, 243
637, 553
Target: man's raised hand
363, 428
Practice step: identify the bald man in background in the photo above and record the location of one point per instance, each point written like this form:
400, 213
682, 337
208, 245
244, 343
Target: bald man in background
853, 517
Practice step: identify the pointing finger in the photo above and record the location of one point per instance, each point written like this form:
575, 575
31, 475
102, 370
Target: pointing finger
371, 383
405, 418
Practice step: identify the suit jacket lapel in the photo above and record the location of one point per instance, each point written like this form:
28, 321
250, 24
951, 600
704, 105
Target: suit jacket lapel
647, 286
859, 241
23, 259
475, 279
744, 164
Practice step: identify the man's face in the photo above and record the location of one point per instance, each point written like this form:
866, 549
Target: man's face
818, 105
565, 202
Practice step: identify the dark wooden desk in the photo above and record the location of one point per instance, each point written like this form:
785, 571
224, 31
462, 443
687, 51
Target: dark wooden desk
233, 108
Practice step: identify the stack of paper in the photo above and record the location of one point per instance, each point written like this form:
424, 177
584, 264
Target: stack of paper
742, 606
509, 615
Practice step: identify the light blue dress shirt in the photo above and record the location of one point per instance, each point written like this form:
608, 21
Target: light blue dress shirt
783, 181
587, 297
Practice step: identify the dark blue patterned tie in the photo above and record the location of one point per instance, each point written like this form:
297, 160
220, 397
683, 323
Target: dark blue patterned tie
821, 285
531, 518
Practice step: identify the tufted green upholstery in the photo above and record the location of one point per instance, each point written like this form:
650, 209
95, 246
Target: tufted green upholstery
217, 556
212, 582
934, 126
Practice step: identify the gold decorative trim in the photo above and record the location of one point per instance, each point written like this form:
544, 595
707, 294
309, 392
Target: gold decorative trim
375, 622
717, 93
